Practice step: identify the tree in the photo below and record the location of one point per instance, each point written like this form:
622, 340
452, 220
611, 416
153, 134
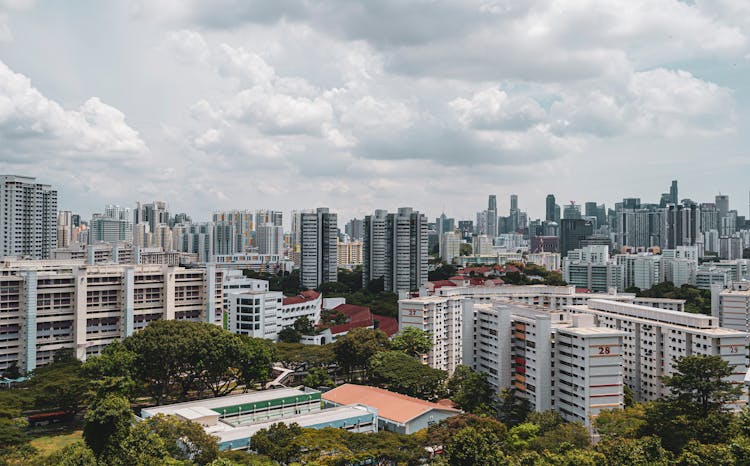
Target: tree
60, 384
644, 451
141, 447
444, 272
697, 454
562, 436
472, 447
164, 357
107, 425
318, 377
512, 410
621, 423
184, 440
441, 433
75, 454
112, 372
216, 354
354, 350
465, 249
702, 381
304, 326
413, 341
471, 391
289, 335
256, 358
13, 437
292, 355
277, 442
396, 371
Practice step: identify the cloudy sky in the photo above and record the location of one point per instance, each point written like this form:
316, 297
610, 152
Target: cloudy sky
295, 104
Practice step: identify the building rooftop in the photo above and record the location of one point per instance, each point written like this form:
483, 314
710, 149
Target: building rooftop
392, 406
305, 296
340, 413
229, 400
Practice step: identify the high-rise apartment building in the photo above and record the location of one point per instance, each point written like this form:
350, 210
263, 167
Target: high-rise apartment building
266, 217
355, 229
395, 248
112, 226
269, 238
152, 214
64, 228
240, 225
441, 317
554, 359
28, 217
450, 246
318, 241
657, 338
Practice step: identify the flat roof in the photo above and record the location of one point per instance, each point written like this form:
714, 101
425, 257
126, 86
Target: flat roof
599, 331
305, 420
229, 400
392, 406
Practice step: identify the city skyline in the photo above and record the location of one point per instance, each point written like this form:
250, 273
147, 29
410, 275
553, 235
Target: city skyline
222, 106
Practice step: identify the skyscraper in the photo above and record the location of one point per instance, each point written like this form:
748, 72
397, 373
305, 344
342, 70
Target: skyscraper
673, 192
28, 217
513, 203
722, 204
492, 216
395, 249
550, 208
572, 231
319, 255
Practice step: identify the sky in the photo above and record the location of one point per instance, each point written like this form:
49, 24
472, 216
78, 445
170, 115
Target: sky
292, 104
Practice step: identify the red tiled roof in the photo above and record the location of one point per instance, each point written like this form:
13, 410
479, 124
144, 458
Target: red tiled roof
457, 277
390, 405
357, 316
387, 324
583, 290
441, 283
307, 295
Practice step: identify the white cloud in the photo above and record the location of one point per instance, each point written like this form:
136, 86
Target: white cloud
32, 125
494, 109
675, 103
186, 46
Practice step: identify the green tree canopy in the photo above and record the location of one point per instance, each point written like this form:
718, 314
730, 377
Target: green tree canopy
400, 373
354, 350
413, 341
472, 447
471, 391
702, 381
107, 425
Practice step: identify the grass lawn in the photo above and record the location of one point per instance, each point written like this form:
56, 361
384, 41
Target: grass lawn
47, 444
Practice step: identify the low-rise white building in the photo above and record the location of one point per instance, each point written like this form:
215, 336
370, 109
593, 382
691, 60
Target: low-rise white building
548, 260
263, 314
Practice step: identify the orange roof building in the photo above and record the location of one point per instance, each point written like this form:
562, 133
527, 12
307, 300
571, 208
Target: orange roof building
396, 412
